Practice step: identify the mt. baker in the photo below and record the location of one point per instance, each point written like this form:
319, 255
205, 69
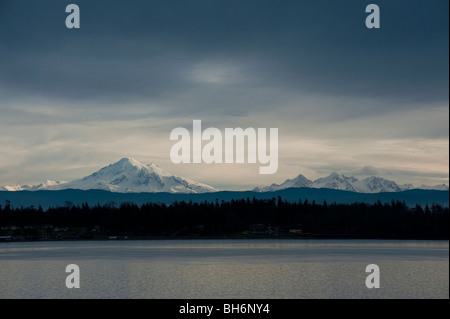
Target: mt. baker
126, 176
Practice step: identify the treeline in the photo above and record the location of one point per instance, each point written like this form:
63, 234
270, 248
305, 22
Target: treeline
251, 217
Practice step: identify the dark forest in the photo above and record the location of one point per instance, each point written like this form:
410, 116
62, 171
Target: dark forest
250, 218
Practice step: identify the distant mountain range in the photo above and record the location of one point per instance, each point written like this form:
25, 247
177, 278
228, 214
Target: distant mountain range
131, 176
340, 182
125, 176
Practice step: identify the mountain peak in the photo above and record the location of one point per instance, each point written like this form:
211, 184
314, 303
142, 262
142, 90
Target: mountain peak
131, 176
300, 176
336, 181
128, 161
299, 181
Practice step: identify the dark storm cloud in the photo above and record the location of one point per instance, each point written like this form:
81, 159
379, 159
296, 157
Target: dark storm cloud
343, 96
145, 50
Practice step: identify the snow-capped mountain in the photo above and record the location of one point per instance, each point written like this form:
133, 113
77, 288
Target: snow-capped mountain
336, 181
376, 185
47, 185
15, 188
299, 181
340, 182
126, 176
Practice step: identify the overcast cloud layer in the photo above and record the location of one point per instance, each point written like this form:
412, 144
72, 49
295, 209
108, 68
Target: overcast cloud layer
345, 98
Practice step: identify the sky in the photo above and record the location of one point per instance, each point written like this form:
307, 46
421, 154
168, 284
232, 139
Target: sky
344, 98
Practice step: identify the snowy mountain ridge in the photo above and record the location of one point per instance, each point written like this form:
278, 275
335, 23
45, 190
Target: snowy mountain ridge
336, 181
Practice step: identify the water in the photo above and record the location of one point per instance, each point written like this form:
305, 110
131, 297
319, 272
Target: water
225, 269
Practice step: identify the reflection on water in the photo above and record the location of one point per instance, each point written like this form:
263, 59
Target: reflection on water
225, 269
